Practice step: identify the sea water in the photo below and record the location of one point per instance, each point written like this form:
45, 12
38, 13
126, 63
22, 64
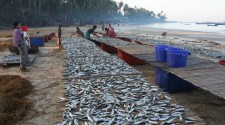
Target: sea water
189, 27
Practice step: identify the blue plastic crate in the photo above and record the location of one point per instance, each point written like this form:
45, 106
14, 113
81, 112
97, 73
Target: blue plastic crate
36, 42
171, 83
161, 77
177, 57
161, 53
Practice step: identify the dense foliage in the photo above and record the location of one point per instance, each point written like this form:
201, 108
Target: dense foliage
53, 12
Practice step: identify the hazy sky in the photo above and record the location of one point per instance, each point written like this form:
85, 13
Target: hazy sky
184, 10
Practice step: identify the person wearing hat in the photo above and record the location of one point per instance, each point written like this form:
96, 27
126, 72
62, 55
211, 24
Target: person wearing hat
19, 42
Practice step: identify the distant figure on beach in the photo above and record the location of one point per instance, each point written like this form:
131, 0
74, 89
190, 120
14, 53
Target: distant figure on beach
103, 27
164, 34
19, 42
110, 33
110, 27
78, 33
59, 35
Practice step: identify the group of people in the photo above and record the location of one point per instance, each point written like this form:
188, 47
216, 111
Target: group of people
109, 32
21, 40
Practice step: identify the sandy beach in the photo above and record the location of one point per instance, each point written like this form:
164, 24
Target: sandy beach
46, 70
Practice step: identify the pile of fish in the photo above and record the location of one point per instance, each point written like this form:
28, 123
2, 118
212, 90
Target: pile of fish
88, 60
115, 99
81, 48
113, 41
11, 58
91, 52
14, 58
191, 48
85, 67
121, 100
77, 43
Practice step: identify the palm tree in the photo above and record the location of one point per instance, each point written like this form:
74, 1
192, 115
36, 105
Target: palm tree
120, 6
35, 12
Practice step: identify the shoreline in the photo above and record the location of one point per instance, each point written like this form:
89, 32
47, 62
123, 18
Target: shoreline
218, 33
148, 26
173, 33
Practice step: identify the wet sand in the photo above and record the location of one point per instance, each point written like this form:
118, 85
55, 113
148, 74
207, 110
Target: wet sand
45, 75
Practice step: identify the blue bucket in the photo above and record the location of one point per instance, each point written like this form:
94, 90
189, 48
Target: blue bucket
177, 57
161, 53
36, 42
171, 83
161, 77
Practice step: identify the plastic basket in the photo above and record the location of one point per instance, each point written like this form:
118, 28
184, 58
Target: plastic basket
36, 42
177, 57
161, 53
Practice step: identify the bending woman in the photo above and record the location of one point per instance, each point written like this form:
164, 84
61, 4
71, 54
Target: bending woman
20, 43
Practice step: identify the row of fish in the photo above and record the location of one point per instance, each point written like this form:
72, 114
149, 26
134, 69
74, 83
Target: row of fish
77, 43
120, 100
91, 52
91, 61
81, 48
192, 48
113, 41
82, 67
114, 99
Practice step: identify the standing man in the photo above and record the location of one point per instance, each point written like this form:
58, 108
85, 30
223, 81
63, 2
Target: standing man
59, 35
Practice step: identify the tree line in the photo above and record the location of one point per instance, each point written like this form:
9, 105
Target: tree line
70, 12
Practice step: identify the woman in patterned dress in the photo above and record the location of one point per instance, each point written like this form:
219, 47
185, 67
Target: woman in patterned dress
20, 43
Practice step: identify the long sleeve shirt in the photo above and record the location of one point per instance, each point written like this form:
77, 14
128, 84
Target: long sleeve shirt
17, 37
